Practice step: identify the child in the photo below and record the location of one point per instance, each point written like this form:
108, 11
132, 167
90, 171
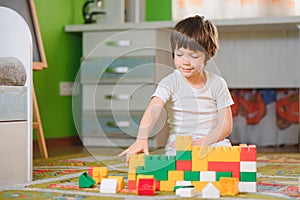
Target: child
197, 101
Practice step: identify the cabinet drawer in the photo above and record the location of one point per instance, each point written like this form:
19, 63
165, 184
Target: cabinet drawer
124, 69
116, 97
117, 43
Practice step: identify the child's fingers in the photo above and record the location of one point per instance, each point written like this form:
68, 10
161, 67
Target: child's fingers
123, 153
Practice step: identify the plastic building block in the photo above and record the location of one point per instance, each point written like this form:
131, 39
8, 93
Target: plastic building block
109, 186
223, 174
186, 192
176, 175
224, 154
191, 176
140, 176
233, 167
167, 186
131, 185
199, 185
208, 176
97, 173
199, 158
229, 186
146, 186
210, 191
157, 185
120, 179
248, 152
183, 155
135, 160
247, 186
185, 165
131, 176
183, 143
183, 183
248, 176
248, 166
86, 181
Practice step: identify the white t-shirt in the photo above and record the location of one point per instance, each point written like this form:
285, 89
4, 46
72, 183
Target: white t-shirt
192, 111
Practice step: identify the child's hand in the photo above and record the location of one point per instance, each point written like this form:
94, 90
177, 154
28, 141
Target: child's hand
198, 142
140, 145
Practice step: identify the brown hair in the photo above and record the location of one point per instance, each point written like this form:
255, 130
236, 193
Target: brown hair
195, 33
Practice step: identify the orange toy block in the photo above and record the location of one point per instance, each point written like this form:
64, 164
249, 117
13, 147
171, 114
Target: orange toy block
97, 173
134, 161
228, 186
224, 154
120, 179
167, 186
199, 158
176, 175
183, 143
199, 185
248, 152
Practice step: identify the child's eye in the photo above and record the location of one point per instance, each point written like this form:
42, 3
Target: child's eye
195, 56
178, 54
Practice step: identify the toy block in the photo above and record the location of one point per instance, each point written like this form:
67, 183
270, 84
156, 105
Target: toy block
157, 165
224, 154
199, 185
247, 186
248, 166
191, 176
184, 165
109, 186
146, 186
233, 167
186, 192
85, 180
210, 191
157, 185
248, 152
144, 177
131, 185
97, 173
183, 143
179, 186
120, 180
208, 176
183, 155
131, 176
229, 186
135, 160
183, 183
248, 176
223, 174
176, 175
199, 158
167, 186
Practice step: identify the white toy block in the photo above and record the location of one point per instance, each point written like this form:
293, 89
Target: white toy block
186, 192
183, 183
246, 166
208, 176
247, 186
210, 191
109, 186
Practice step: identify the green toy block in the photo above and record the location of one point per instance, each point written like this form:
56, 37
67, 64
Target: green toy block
248, 176
191, 175
86, 181
183, 155
157, 165
223, 174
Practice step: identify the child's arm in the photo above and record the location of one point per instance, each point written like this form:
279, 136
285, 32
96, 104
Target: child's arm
149, 118
221, 131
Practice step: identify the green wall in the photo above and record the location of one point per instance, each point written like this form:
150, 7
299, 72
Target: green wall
63, 52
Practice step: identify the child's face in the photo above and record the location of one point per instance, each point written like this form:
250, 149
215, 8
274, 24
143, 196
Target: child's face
189, 62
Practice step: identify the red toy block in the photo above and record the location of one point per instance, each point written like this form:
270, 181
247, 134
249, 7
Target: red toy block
233, 167
157, 185
185, 165
90, 171
248, 152
146, 186
131, 185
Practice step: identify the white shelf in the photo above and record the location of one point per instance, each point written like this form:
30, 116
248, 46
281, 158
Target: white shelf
265, 23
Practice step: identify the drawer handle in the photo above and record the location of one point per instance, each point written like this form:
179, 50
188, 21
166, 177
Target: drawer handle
119, 124
121, 97
119, 43
118, 70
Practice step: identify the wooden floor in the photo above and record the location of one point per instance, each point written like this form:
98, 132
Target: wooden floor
65, 146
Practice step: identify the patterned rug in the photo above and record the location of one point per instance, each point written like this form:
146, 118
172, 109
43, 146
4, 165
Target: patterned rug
57, 178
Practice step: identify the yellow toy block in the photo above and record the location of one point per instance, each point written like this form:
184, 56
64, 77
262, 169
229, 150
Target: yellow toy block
134, 161
199, 158
228, 186
99, 173
183, 143
176, 175
167, 186
224, 154
131, 176
120, 179
199, 185
143, 176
